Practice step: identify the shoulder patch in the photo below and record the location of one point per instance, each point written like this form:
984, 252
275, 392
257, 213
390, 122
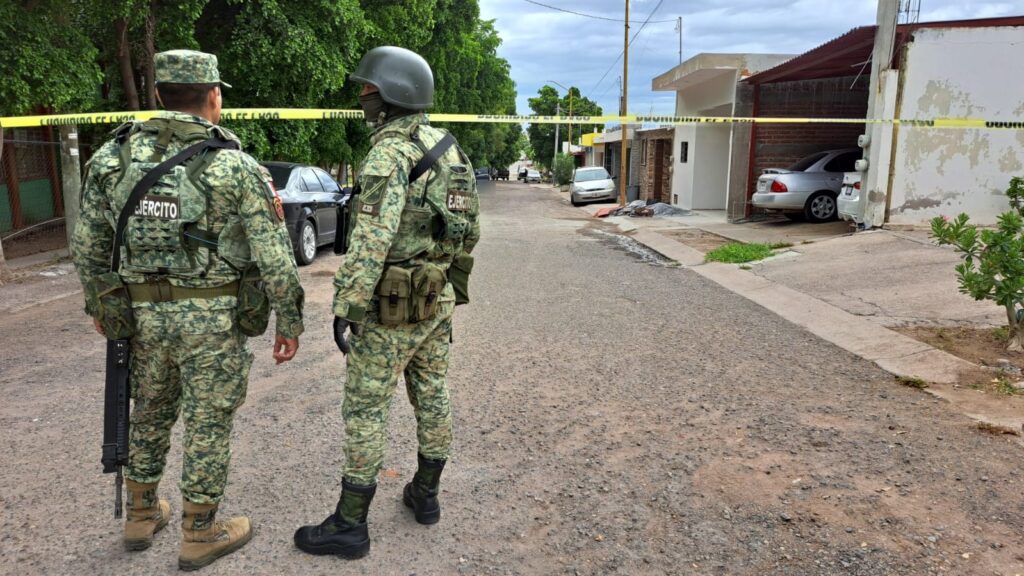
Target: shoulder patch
372, 190
273, 198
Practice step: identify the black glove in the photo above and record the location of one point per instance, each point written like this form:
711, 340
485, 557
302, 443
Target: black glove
341, 325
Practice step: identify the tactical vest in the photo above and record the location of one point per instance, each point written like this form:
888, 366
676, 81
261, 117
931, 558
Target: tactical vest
168, 233
435, 221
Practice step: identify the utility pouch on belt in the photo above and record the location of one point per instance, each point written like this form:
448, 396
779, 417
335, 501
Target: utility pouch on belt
428, 281
393, 294
114, 305
253, 304
458, 274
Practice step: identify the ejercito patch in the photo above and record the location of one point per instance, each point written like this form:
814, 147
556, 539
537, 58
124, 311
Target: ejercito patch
161, 207
458, 201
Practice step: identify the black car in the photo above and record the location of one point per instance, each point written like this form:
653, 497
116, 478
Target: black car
499, 174
311, 199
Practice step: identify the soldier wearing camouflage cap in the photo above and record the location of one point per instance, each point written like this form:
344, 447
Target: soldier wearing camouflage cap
192, 247
412, 228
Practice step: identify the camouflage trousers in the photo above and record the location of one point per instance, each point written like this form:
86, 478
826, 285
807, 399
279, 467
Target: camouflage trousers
194, 363
379, 356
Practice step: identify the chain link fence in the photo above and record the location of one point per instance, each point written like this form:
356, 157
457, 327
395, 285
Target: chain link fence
31, 201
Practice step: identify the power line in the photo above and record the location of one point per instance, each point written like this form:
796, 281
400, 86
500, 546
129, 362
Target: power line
594, 16
644, 25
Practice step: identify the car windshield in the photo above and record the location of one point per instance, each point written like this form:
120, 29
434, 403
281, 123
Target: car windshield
280, 174
807, 162
590, 175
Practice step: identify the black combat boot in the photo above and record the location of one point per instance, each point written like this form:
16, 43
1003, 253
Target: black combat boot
421, 493
343, 533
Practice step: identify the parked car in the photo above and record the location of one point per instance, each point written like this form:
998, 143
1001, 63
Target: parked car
590, 183
532, 176
499, 174
483, 173
849, 196
311, 199
807, 189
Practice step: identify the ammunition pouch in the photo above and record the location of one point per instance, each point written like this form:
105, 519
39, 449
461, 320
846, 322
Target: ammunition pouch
113, 305
253, 312
393, 294
458, 274
428, 282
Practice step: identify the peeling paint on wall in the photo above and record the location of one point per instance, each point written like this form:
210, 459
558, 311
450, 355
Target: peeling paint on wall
958, 73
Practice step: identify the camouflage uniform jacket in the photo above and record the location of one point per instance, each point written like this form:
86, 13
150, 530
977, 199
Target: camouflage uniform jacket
384, 181
237, 189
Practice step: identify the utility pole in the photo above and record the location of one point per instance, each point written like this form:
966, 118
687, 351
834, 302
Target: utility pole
71, 177
554, 158
875, 188
623, 176
679, 28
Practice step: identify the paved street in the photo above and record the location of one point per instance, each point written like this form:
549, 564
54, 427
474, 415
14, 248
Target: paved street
614, 415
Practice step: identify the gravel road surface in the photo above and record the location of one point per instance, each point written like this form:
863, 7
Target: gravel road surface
615, 414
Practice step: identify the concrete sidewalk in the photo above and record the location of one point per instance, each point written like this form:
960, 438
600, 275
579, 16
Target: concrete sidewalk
849, 289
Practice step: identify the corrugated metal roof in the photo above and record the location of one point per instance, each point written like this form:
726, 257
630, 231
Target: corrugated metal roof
850, 54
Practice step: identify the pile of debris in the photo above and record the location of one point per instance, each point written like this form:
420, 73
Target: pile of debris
644, 208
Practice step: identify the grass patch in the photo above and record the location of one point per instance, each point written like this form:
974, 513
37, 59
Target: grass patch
1001, 334
912, 382
780, 245
1003, 385
737, 253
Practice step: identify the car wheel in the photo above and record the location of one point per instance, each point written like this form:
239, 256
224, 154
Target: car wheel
305, 252
573, 200
820, 207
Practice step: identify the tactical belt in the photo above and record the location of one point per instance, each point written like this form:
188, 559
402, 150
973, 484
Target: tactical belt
167, 292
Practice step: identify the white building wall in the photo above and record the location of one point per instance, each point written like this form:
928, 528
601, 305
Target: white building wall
683, 172
712, 155
959, 73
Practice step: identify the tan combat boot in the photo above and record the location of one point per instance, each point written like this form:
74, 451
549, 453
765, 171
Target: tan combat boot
147, 515
205, 539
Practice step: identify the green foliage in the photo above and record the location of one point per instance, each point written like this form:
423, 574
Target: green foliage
47, 62
912, 382
737, 253
564, 166
67, 56
547, 103
993, 259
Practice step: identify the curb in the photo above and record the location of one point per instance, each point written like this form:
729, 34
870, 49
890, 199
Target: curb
891, 351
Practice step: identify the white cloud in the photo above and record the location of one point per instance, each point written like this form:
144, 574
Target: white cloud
542, 44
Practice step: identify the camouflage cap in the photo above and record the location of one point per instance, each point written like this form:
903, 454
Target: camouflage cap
187, 67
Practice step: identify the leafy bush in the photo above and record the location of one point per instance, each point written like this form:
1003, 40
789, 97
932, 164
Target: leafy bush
993, 260
564, 165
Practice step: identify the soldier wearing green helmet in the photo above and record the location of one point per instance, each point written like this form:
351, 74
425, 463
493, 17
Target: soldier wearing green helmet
409, 237
184, 282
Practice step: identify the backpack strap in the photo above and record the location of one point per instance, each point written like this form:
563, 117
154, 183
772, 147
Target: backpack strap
431, 157
149, 180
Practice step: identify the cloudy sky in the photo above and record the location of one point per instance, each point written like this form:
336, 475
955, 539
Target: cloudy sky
544, 45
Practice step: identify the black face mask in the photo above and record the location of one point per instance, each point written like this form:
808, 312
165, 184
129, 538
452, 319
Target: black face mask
372, 105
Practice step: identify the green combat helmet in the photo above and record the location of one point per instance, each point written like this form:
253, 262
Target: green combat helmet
402, 76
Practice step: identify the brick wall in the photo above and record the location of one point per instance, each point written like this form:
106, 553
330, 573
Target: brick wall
648, 159
779, 145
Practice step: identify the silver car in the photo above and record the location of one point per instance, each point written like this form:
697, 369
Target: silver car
590, 183
807, 189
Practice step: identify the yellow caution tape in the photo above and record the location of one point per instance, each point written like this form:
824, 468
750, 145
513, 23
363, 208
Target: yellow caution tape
328, 114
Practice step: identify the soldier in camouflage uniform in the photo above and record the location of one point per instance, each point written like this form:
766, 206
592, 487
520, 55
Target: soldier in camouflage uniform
188, 353
405, 269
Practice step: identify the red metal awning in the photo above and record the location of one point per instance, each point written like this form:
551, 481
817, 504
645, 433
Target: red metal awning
850, 54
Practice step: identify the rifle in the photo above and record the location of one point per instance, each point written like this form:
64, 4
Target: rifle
116, 407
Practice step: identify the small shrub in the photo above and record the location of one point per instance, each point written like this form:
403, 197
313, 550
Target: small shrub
564, 165
912, 381
993, 260
738, 253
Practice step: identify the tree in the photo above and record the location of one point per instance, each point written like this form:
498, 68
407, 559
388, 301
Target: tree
993, 260
548, 103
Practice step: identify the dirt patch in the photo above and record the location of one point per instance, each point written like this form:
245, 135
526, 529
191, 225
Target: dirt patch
999, 371
696, 239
